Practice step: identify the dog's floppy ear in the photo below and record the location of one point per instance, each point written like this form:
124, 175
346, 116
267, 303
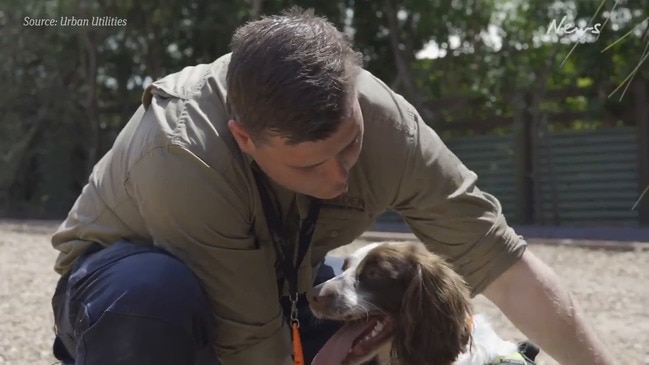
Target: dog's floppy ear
434, 327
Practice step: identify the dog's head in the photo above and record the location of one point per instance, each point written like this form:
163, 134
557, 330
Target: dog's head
400, 297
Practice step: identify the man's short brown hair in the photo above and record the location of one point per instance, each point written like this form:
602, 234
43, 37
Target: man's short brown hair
291, 75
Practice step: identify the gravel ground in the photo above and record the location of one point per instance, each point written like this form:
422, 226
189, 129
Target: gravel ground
612, 287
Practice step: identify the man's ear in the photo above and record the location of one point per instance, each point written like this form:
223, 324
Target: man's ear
241, 135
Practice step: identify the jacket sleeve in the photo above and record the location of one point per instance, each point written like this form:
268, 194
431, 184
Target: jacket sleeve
203, 217
440, 201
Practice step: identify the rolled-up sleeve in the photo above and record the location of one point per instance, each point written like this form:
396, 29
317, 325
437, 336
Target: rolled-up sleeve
203, 218
439, 199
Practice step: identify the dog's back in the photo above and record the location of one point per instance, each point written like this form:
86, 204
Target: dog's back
485, 345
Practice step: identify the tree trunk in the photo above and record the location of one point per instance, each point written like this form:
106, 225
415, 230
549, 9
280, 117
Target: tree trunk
641, 103
541, 140
89, 48
402, 63
255, 9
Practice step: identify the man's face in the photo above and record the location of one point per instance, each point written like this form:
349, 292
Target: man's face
319, 169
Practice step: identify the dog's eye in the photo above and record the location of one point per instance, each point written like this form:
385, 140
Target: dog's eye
371, 273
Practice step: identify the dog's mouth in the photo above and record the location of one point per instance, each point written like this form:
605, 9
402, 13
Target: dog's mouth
356, 341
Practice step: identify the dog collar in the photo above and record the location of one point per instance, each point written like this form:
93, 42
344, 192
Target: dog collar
515, 358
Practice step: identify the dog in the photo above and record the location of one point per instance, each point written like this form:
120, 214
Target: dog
403, 305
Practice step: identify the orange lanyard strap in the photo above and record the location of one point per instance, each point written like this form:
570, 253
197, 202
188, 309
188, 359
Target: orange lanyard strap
298, 354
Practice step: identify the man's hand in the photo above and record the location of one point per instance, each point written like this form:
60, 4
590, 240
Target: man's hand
531, 295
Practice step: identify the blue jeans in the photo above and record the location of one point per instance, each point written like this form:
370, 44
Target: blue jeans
135, 304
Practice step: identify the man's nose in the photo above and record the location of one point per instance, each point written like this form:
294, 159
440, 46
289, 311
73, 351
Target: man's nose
339, 170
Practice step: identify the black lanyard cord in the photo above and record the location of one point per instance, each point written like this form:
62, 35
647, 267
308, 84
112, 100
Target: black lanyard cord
278, 235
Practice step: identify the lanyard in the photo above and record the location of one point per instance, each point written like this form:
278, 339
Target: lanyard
278, 236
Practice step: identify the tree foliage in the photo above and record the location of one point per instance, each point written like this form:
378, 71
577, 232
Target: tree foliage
69, 90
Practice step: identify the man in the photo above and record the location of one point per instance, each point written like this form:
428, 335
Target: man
169, 254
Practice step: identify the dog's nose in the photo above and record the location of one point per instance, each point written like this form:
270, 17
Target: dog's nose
319, 297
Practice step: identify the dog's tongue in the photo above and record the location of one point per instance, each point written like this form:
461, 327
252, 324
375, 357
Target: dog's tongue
335, 350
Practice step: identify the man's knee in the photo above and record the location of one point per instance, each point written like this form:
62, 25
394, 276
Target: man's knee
150, 284
144, 296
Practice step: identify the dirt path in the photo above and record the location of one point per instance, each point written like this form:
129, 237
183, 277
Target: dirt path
612, 287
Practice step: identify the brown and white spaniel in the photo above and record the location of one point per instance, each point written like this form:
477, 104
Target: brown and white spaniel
402, 305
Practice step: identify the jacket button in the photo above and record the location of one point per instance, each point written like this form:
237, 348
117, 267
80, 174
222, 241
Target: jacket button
334, 234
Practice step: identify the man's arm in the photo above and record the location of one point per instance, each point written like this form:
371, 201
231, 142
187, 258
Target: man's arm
531, 295
438, 197
199, 215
